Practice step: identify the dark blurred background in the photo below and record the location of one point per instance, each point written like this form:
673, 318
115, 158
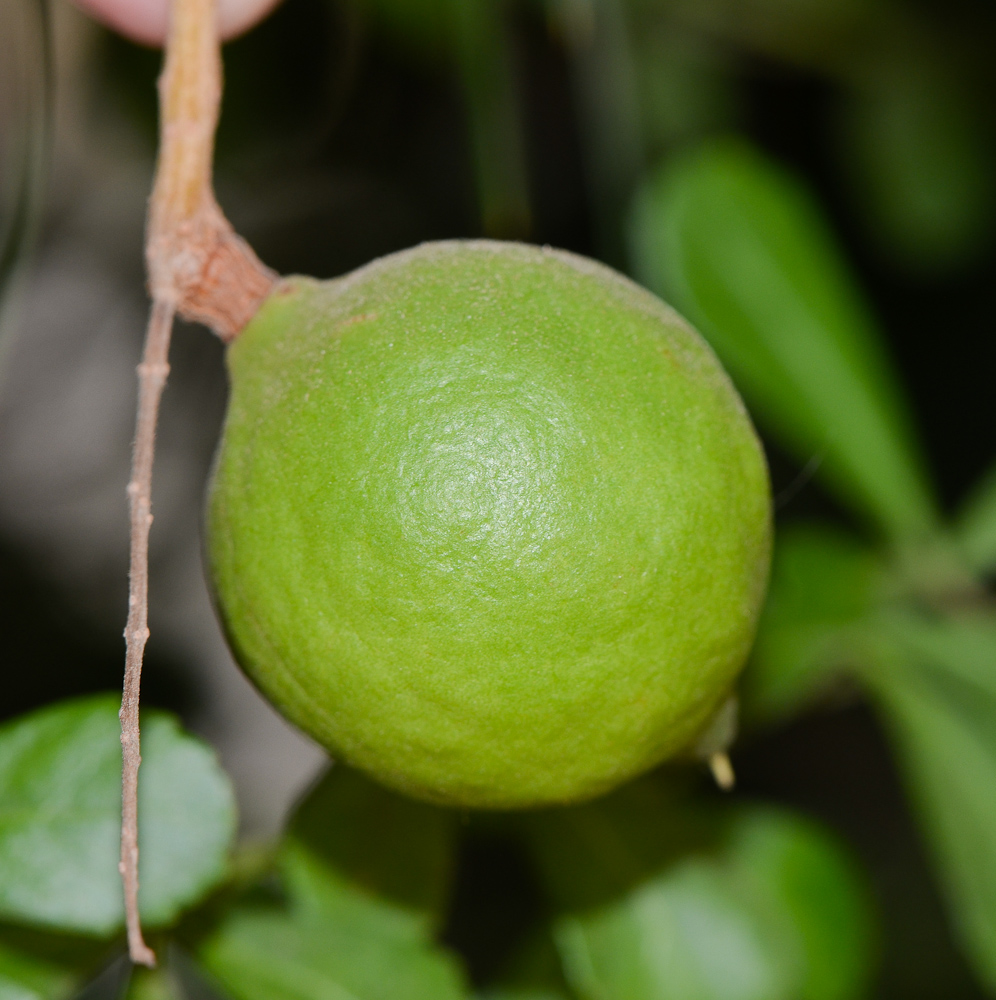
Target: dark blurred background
352, 129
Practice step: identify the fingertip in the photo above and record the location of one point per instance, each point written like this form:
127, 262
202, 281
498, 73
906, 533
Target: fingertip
237, 16
146, 21
143, 21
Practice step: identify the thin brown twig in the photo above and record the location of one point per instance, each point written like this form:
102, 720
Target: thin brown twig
152, 374
200, 268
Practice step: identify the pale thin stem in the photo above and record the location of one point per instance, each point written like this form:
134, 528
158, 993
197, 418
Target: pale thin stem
152, 374
198, 268
193, 254
189, 99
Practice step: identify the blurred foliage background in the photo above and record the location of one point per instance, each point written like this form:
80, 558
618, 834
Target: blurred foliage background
813, 182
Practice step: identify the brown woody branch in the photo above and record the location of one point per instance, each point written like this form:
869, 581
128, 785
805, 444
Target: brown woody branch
200, 268
194, 256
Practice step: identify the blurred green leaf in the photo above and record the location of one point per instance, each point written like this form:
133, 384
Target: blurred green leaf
485, 65
60, 785
329, 942
920, 159
810, 33
594, 853
945, 729
685, 80
274, 955
812, 897
521, 993
775, 912
684, 934
25, 976
321, 893
534, 973
358, 851
423, 24
824, 584
962, 648
474, 36
366, 875
46, 965
598, 38
742, 249
153, 984
976, 525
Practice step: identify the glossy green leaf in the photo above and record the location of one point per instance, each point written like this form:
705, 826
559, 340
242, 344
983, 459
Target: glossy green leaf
742, 250
945, 729
361, 852
976, 525
759, 905
824, 584
60, 789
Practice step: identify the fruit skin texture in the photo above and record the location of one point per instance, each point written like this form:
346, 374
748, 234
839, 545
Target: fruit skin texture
488, 521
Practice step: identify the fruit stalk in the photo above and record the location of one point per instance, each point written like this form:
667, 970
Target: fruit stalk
199, 268
194, 256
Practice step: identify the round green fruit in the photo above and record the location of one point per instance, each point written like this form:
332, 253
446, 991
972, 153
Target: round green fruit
488, 521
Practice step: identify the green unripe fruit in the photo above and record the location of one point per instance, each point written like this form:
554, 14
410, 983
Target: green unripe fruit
488, 521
